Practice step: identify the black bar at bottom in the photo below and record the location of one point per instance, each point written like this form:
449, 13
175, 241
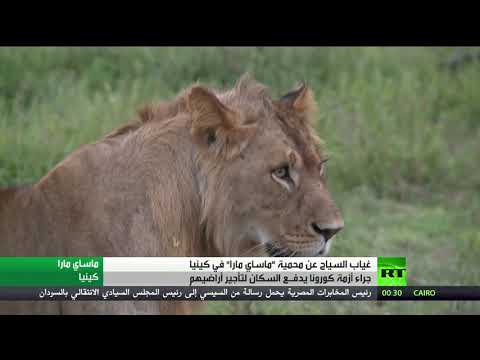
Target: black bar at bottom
204, 293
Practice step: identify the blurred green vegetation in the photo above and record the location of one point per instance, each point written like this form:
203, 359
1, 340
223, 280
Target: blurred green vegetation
402, 129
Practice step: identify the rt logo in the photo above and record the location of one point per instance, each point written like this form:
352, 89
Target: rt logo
392, 271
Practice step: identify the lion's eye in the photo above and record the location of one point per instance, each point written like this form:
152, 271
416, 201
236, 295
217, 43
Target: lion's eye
282, 173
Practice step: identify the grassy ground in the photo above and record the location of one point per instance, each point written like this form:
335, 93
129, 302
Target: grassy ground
403, 132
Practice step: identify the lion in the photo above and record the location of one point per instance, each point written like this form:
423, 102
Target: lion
229, 172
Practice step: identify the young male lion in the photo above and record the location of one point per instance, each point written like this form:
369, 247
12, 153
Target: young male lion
209, 173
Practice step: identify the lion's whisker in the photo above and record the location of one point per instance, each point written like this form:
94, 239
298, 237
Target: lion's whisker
253, 248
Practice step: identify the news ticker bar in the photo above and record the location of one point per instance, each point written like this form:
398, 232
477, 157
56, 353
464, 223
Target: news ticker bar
207, 293
201, 271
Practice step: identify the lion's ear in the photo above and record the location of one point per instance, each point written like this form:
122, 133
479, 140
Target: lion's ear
214, 124
301, 99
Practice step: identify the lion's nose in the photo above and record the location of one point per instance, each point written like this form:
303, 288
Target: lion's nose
326, 231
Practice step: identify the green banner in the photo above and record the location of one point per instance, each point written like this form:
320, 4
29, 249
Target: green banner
51, 271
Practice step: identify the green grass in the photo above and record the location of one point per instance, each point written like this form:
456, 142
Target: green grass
403, 134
